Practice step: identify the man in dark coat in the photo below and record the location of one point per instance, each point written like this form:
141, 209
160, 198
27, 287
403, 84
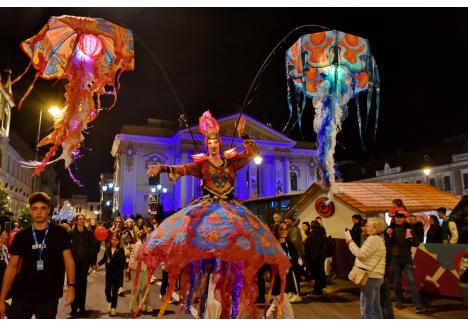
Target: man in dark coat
417, 227
83, 251
402, 239
315, 257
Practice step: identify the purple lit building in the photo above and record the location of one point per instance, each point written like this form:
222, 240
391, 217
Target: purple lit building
286, 166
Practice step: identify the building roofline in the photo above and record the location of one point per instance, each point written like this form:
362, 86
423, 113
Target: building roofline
255, 121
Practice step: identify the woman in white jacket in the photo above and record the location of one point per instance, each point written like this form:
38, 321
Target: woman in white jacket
371, 257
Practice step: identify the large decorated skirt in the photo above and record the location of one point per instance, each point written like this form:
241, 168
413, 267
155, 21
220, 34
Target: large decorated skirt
218, 240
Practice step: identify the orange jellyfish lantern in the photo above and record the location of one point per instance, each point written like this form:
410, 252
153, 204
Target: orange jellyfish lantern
91, 54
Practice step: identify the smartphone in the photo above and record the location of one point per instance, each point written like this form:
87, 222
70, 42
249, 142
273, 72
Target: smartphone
8, 227
408, 233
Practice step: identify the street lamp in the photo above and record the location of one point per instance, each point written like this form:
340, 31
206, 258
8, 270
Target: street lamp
116, 188
55, 111
110, 185
154, 199
104, 188
427, 171
258, 160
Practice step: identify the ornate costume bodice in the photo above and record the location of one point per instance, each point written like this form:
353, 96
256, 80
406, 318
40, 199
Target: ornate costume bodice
217, 181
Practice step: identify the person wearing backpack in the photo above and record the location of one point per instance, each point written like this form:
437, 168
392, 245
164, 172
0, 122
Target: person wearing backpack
402, 240
449, 227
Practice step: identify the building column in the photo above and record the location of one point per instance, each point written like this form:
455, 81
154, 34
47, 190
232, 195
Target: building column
312, 174
128, 187
267, 176
241, 184
279, 182
286, 180
252, 179
120, 180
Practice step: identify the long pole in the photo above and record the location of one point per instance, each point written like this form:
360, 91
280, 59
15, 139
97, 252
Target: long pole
36, 155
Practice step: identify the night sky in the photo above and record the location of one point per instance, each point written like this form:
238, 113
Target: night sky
212, 56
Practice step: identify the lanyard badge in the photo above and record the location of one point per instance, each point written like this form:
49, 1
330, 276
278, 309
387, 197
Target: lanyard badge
40, 262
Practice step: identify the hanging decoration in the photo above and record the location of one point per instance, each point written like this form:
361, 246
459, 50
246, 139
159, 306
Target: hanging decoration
324, 207
91, 54
331, 68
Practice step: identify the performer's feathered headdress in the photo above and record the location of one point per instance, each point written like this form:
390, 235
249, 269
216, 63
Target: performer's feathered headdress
208, 126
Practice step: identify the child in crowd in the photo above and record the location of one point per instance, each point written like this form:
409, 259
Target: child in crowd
281, 233
140, 288
114, 258
397, 206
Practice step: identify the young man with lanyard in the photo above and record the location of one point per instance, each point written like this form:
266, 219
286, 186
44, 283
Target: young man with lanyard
40, 256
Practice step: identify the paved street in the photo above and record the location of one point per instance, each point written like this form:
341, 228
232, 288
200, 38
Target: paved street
341, 301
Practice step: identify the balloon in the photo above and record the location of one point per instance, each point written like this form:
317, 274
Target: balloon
101, 233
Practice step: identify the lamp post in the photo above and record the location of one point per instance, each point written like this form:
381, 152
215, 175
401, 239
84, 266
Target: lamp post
108, 202
258, 160
36, 154
154, 199
427, 172
54, 112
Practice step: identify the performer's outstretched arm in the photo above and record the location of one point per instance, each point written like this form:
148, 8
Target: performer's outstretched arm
176, 171
243, 158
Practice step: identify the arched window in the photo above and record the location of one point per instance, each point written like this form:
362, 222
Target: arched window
293, 180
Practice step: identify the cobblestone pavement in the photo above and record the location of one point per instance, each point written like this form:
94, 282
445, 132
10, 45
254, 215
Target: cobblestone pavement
341, 301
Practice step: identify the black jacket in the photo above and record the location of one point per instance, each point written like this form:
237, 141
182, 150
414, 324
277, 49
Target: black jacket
400, 245
356, 234
418, 231
82, 246
434, 234
315, 247
115, 265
